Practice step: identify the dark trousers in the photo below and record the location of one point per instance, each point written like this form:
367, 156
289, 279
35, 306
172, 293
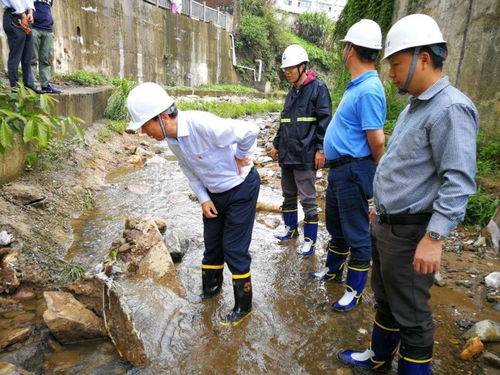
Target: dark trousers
401, 293
302, 183
228, 236
346, 209
20, 50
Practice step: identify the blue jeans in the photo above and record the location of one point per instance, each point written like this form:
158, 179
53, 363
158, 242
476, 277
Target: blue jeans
349, 188
227, 237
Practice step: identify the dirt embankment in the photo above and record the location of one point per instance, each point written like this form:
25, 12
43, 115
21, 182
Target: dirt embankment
37, 208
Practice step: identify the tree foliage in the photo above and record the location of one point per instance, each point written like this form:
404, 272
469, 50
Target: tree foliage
316, 27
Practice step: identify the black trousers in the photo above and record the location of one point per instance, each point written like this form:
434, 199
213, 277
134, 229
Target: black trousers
402, 294
227, 237
20, 50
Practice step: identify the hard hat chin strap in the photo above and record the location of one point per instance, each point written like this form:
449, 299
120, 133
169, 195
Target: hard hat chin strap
162, 126
300, 73
409, 77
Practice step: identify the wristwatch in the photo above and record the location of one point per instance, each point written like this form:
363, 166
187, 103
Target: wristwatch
435, 236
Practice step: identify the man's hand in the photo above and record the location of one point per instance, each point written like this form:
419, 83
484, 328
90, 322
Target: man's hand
242, 163
371, 214
209, 210
24, 21
319, 160
273, 153
428, 255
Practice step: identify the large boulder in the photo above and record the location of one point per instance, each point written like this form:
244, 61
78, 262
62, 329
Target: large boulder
486, 330
10, 369
143, 293
69, 320
88, 291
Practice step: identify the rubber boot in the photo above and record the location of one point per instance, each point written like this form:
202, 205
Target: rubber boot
242, 287
414, 360
334, 266
310, 235
290, 218
212, 278
379, 357
357, 274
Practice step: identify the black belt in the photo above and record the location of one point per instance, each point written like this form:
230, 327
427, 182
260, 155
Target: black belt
344, 160
404, 219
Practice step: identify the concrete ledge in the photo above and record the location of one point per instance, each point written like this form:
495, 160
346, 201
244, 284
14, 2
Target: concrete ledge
88, 103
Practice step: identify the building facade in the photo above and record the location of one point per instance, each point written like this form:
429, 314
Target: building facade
332, 8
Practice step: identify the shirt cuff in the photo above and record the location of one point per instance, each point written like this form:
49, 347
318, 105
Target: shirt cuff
440, 224
241, 155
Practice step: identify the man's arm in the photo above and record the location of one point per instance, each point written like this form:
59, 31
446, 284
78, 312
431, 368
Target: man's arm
376, 140
323, 112
228, 132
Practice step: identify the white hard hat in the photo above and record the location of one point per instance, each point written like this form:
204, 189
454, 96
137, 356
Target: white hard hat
365, 33
412, 31
293, 55
146, 101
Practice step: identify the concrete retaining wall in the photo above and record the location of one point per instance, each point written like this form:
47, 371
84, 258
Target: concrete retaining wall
471, 28
136, 39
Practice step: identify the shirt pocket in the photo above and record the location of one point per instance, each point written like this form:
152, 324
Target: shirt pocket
411, 143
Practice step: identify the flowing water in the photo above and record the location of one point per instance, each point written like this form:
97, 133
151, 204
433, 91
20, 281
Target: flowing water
293, 329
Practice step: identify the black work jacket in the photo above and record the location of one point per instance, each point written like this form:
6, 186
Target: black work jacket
303, 123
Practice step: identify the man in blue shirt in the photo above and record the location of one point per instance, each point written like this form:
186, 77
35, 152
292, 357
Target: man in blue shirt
215, 155
17, 18
420, 191
354, 143
43, 44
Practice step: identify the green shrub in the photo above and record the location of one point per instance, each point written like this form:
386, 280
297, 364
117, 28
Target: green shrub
488, 154
85, 78
116, 109
230, 88
480, 208
318, 57
316, 27
29, 114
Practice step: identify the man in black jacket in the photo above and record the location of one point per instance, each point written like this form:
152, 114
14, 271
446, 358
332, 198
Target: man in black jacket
298, 145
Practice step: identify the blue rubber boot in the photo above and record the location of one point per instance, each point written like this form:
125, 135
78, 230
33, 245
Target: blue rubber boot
310, 235
334, 266
414, 360
379, 357
357, 274
290, 217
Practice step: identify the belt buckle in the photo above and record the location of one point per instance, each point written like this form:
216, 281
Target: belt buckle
377, 214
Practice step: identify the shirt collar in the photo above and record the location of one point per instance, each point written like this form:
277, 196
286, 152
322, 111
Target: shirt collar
182, 125
363, 77
436, 87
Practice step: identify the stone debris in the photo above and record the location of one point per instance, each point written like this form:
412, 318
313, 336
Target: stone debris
6, 238
69, 320
490, 359
486, 330
10, 369
493, 280
472, 348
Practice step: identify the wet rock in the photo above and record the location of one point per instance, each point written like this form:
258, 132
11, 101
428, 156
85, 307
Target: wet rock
465, 323
136, 160
69, 320
130, 149
161, 225
21, 194
178, 244
124, 247
271, 222
497, 306
343, 371
494, 229
481, 241
89, 292
131, 314
493, 280
54, 345
14, 335
10, 369
24, 294
472, 348
261, 160
490, 359
486, 330
138, 189
8, 275
438, 279
8, 304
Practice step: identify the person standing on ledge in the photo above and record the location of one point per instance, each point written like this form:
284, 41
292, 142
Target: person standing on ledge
215, 154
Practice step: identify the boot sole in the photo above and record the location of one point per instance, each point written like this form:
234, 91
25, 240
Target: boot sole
364, 369
234, 324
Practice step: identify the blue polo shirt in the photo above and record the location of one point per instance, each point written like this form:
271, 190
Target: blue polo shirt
362, 108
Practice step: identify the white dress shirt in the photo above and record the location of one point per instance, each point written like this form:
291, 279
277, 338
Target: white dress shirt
19, 5
206, 147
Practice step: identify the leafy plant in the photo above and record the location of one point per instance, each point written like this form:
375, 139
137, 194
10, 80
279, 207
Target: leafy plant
316, 27
231, 110
29, 114
116, 109
73, 272
480, 208
85, 78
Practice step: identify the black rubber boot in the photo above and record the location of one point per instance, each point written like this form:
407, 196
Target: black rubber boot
212, 278
242, 287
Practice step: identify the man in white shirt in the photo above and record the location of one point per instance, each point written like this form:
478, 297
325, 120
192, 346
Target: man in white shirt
215, 155
17, 18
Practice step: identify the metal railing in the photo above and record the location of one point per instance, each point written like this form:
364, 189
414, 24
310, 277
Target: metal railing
199, 11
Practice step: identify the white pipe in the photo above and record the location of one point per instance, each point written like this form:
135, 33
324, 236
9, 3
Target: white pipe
233, 54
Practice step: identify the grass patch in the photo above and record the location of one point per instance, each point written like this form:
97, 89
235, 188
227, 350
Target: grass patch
230, 110
480, 208
85, 78
73, 272
116, 109
231, 88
